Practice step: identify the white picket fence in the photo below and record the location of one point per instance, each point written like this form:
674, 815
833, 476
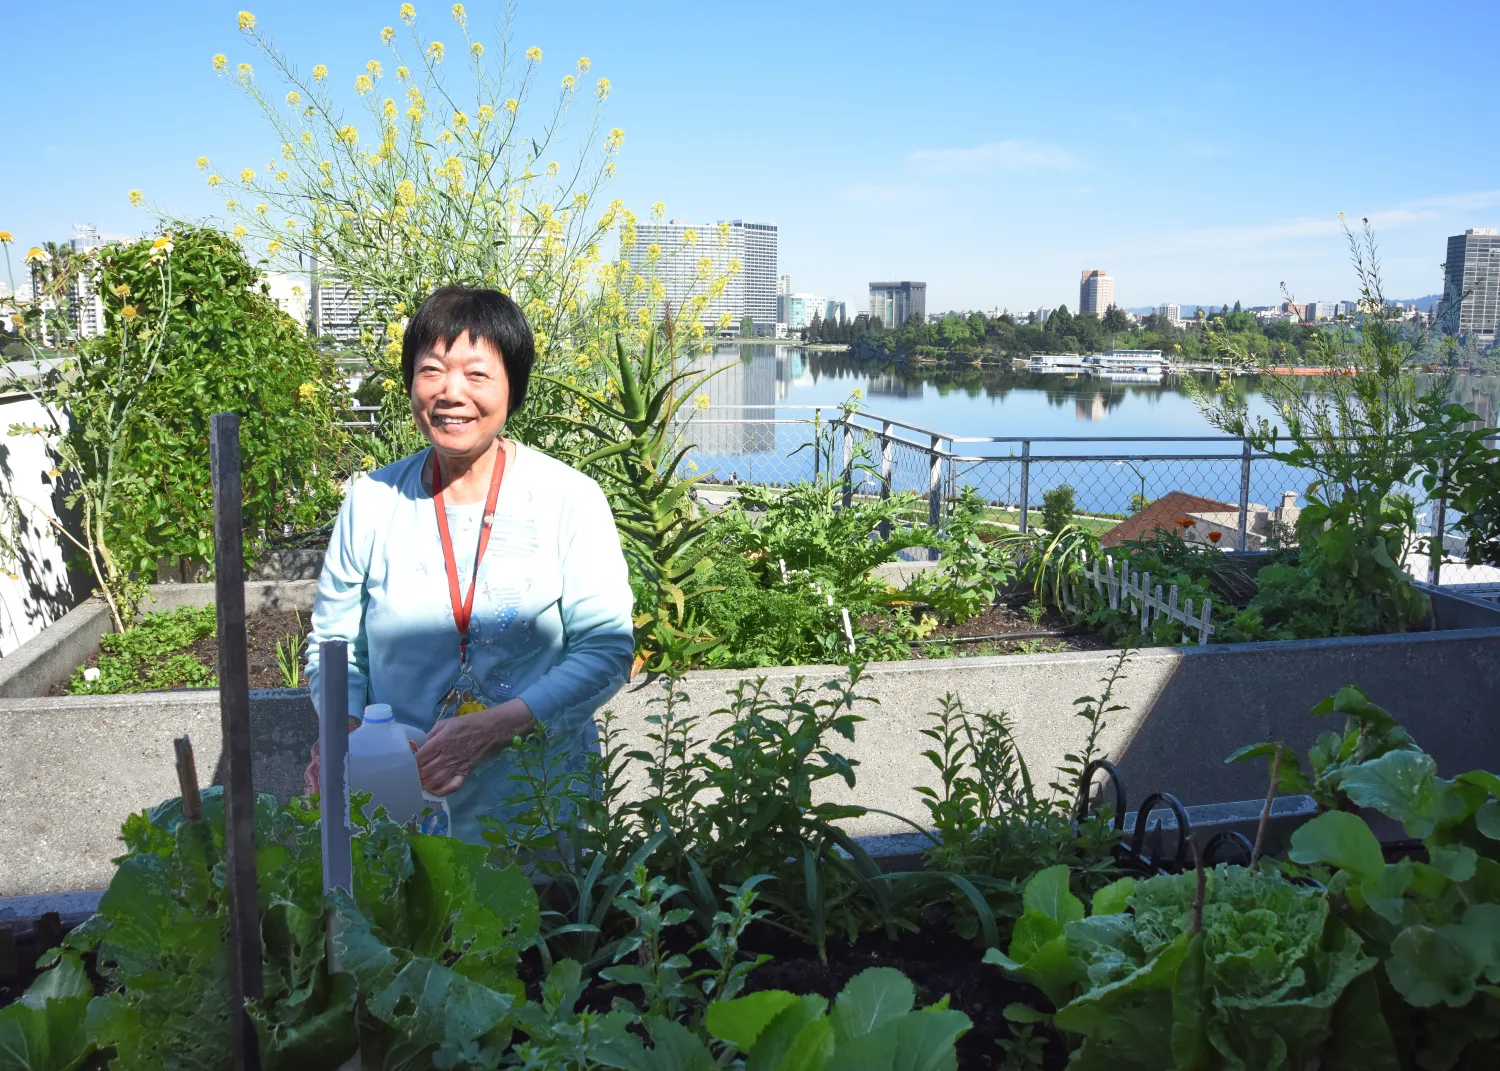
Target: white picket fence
1134, 592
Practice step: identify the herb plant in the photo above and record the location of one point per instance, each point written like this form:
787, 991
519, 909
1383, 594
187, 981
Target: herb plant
152, 655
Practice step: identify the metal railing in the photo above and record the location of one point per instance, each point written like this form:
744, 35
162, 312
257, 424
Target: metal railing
880, 455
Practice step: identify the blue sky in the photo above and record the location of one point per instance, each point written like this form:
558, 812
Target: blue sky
1199, 154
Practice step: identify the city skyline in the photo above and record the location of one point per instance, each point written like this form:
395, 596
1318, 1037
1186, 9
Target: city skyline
1011, 177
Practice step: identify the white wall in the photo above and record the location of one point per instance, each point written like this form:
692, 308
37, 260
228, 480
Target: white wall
43, 593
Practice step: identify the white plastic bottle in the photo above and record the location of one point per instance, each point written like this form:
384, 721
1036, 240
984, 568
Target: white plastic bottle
381, 763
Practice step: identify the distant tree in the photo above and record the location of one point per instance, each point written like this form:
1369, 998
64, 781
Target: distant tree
815, 329
1060, 322
747, 327
1115, 320
1236, 306
1057, 507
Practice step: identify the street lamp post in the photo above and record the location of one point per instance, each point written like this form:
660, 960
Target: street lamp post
1142, 477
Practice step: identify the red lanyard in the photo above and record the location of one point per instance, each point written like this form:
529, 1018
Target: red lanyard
463, 608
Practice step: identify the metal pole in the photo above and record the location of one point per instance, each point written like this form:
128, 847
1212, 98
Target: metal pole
848, 463
234, 711
1435, 547
935, 483
817, 441
887, 451
333, 751
1242, 539
1025, 483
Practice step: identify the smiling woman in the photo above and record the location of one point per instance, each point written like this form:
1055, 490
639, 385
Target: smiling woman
479, 583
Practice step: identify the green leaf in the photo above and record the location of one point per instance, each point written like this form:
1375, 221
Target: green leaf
1114, 897
45, 1029
1402, 785
741, 1020
1024, 1013
870, 998
778, 1036
1457, 861
1047, 892
917, 1041
1487, 819
1337, 838
1428, 967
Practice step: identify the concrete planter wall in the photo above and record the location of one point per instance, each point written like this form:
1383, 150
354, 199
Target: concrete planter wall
73, 769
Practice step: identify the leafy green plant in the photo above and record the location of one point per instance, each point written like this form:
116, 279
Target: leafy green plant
1228, 968
632, 422
1050, 561
152, 656
289, 656
974, 571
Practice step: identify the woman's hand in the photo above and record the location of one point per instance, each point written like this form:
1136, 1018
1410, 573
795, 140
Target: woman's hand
311, 777
456, 745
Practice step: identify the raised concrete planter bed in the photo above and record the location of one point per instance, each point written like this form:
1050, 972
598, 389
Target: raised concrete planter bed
73, 769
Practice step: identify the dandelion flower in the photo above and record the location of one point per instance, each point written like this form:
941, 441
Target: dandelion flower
320, 73
408, 14
602, 91
534, 54
221, 62
583, 65
511, 105
435, 51
123, 290
239, 231
247, 175
129, 312
136, 198
459, 14
202, 162
247, 21
363, 85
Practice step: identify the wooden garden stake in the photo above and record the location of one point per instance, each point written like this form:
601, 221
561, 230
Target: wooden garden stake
187, 780
333, 772
1265, 812
1196, 925
234, 712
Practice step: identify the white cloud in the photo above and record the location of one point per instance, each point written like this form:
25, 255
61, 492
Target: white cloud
1010, 154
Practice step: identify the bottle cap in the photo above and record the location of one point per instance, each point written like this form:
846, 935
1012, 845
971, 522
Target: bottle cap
378, 712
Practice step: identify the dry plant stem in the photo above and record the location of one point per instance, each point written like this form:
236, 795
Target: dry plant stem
187, 780
1265, 812
1196, 926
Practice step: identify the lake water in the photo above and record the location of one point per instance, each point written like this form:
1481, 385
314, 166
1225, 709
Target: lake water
758, 381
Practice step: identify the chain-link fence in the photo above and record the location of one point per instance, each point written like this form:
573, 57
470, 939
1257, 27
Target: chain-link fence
1217, 487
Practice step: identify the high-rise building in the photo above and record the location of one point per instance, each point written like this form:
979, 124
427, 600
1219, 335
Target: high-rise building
675, 265
783, 285
290, 293
85, 309
1171, 313
336, 310
797, 310
1096, 291
1471, 284
894, 303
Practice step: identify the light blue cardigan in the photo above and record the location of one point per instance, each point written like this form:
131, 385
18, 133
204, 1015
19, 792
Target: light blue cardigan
551, 620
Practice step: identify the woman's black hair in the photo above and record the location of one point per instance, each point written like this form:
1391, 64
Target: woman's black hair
486, 315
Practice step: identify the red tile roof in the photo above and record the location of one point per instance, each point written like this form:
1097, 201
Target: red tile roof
1164, 513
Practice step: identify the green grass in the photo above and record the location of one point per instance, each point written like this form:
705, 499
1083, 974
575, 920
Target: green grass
1095, 523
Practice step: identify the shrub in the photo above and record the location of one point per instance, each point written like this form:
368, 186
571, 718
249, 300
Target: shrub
1057, 507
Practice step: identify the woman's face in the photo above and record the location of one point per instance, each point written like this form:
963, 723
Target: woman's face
460, 396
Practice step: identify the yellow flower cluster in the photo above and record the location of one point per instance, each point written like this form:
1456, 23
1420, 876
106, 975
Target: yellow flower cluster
485, 113
363, 85
435, 51
615, 139
247, 21
247, 175
294, 98
273, 247
214, 180
307, 392
348, 135
6, 238
690, 237
244, 72
221, 62
459, 15
262, 209
136, 198
129, 312
202, 162
320, 73
476, 50
583, 65
511, 105
239, 231
406, 192
231, 204
387, 35
568, 83
534, 54
602, 90
408, 14
402, 73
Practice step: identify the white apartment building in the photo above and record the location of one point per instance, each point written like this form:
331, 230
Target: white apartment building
675, 264
87, 310
1170, 313
291, 293
798, 310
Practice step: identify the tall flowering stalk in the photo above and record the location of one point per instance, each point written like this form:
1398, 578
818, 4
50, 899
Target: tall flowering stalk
99, 388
